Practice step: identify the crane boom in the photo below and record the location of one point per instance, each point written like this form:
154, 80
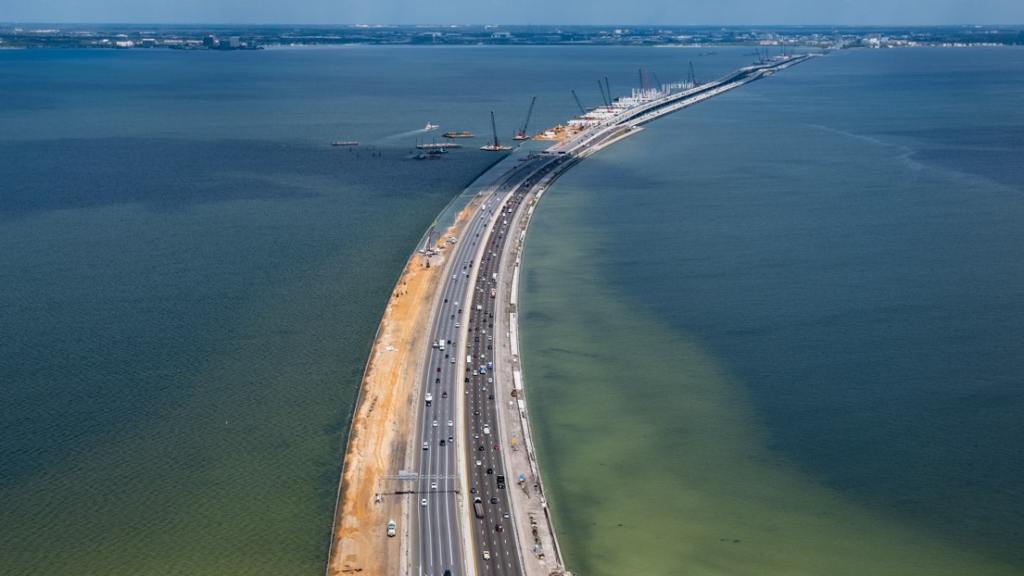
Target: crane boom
521, 134
578, 103
529, 113
494, 130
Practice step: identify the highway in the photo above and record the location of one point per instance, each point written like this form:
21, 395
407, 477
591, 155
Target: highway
460, 445
439, 544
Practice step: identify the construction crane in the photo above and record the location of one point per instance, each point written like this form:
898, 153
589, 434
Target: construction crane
496, 146
693, 77
608, 89
521, 135
578, 103
604, 98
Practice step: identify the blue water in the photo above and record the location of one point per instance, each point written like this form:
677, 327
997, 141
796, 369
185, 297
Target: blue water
830, 265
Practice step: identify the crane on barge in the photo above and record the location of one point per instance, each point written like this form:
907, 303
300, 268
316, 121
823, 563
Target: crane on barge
521, 135
495, 146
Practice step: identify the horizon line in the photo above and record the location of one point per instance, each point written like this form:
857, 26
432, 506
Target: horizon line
463, 25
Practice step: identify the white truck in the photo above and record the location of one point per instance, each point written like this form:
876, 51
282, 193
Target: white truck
440, 345
429, 398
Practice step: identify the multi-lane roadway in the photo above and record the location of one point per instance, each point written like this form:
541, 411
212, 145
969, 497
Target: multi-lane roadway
460, 446
438, 540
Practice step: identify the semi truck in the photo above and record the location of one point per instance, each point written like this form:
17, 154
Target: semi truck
478, 507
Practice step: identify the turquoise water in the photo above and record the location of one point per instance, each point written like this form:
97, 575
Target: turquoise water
783, 332
192, 277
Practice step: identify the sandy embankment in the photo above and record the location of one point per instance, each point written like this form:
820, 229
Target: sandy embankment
383, 422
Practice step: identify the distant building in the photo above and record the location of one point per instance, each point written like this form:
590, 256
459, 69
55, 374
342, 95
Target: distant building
211, 41
234, 42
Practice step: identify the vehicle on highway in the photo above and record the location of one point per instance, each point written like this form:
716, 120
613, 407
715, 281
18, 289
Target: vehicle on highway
423, 502
486, 555
497, 527
450, 423
487, 429
429, 398
392, 528
478, 507
426, 446
433, 485
435, 423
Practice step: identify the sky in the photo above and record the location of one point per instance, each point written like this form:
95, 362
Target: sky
665, 12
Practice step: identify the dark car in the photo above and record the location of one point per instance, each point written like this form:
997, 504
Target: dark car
497, 527
494, 499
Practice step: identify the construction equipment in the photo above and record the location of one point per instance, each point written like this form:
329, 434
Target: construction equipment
495, 146
521, 135
578, 103
604, 97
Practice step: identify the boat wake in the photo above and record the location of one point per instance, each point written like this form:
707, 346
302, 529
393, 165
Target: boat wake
428, 128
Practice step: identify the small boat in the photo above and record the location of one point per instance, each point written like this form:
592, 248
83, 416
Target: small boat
495, 148
459, 134
345, 143
430, 127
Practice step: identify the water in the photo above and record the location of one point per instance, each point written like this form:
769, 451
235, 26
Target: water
192, 277
782, 332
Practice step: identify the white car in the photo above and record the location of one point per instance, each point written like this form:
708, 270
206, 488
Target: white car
487, 554
423, 502
487, 429
435, 423
450, 424
433, 485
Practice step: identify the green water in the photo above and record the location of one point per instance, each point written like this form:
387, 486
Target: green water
780, 332
191, 278
651, 455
